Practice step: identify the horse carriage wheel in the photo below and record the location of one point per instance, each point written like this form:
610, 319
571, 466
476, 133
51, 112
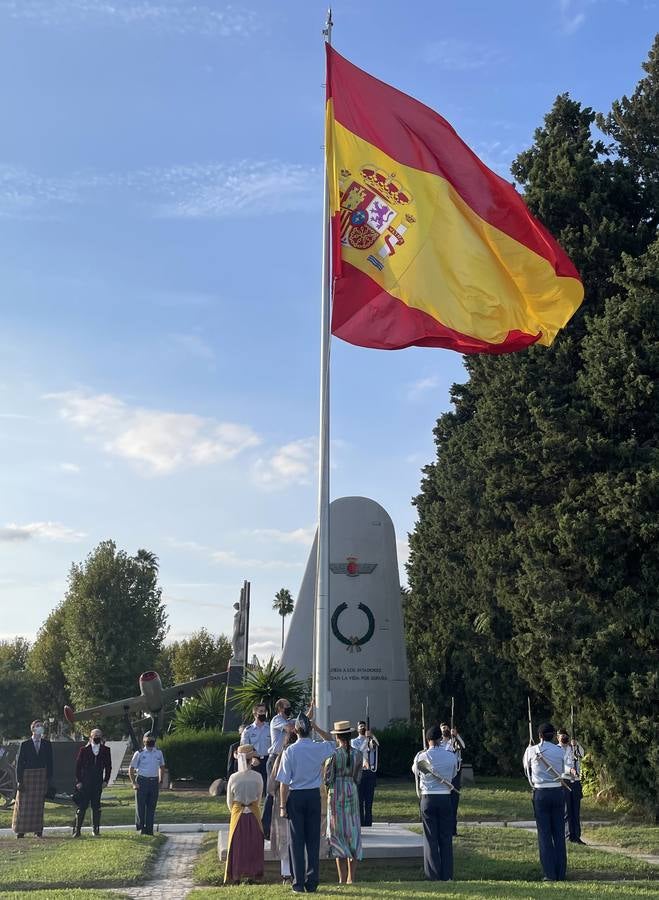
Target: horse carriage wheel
7, 786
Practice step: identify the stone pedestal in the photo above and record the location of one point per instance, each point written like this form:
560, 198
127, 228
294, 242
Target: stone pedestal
232, 717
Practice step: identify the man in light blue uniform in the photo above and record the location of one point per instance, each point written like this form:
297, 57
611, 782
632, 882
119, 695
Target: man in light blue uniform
544, 764
435, 769
145, 773
299, 775
280, 724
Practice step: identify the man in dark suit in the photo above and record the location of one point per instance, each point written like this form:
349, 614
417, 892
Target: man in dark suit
93, 769
34, 771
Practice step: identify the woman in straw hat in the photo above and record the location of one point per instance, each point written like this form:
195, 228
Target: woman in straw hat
342, 775
245, 850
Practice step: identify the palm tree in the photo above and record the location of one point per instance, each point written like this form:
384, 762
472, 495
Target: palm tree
283, 603
266, 684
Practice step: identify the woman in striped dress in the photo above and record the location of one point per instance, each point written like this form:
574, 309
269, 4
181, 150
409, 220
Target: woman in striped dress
342, 774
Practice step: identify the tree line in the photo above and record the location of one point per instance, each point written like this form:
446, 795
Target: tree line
109, 628
534, 566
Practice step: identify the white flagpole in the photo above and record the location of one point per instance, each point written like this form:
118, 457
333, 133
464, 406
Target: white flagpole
322, 694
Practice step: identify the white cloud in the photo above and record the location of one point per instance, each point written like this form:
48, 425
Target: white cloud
572, 15
422, 386
302, 536
70, 468
166, 16
51, 531
192, 191
293, 463
158, 442
459, 56
229, 558
193, 345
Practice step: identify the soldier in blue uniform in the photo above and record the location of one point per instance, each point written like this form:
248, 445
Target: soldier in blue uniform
299, 775
435, 769
544, 764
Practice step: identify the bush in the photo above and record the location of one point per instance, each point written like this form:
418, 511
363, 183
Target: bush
399, 744
199, 755
201, 713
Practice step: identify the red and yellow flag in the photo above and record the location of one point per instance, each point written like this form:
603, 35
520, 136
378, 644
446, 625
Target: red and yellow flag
429, 246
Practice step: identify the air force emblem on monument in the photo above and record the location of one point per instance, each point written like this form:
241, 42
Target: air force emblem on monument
352, 567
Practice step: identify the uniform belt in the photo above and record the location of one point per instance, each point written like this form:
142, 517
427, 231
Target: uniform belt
148, 777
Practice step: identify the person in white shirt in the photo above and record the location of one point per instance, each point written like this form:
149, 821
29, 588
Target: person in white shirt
573, 755
281, 725
544, 764
452, 741
258, 735
435, 769
368, 745
145, 773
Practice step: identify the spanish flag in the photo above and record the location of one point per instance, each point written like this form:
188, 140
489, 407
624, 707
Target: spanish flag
430, 247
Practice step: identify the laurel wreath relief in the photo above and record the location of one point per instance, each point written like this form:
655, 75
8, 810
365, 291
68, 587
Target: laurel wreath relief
353, 643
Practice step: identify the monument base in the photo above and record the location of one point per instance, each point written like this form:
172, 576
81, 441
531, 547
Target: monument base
232, 717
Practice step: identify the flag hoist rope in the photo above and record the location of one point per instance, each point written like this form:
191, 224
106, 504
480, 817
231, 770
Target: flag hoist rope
321, 686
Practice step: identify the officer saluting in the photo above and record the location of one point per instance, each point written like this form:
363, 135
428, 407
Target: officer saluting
544, 764
299, 775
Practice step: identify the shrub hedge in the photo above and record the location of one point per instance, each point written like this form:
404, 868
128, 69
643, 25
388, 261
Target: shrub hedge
202, 755
199, 755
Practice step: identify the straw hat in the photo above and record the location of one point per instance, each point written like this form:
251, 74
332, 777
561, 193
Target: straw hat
342, 727
247, 750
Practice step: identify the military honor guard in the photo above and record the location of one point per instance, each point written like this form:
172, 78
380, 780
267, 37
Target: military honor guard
572, 792
145, 773
34, 771
435, 769
544, 764
369, 747
93, 770
281, 725
299, 775
258, 735
452, 741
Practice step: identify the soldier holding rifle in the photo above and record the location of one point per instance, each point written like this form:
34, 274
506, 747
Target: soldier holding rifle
543, 764
573, 755
452, 741
435, 768
369, 747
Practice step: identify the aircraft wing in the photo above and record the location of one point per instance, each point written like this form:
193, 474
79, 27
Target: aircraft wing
116, 708
188, 688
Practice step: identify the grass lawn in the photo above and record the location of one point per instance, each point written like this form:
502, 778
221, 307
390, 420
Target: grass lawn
490, 799
61, 894
394, 890
642, 838
110, 860
481, 854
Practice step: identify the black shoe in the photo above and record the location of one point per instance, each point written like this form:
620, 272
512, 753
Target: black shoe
20, 836
97, 832
579, 841
76, 832
38, 834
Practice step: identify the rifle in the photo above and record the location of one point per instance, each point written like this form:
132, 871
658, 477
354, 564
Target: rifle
372, 745
423, 727
424, 766
548, 766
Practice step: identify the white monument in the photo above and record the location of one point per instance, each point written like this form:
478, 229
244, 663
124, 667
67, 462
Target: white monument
367, 643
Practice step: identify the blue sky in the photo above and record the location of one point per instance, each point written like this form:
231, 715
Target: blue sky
160, 220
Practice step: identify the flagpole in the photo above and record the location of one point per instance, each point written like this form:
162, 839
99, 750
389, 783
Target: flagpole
322, 694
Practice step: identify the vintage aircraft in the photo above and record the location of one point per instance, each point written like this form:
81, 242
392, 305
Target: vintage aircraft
151, 700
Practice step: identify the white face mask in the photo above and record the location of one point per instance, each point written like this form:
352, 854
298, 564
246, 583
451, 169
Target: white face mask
38, 731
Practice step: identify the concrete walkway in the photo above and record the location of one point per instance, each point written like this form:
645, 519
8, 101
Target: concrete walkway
171, 878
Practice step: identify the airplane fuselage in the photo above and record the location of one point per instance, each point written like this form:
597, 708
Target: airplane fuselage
151, 691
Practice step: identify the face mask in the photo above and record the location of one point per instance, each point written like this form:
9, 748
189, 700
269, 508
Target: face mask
96, 740
446, 734
261, 717
39, 730
287, 711
362, 731
151, 743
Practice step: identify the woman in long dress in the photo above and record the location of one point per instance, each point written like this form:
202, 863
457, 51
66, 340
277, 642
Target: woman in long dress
279, 827
342, 775
245, 850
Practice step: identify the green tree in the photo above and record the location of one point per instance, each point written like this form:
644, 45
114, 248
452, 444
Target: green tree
19, 704
45, 662
283, 604
266, 684
203, 712
532, 564
200, 654
14, 654
114, 623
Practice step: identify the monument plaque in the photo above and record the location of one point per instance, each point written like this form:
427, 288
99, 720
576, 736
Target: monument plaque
367, 644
